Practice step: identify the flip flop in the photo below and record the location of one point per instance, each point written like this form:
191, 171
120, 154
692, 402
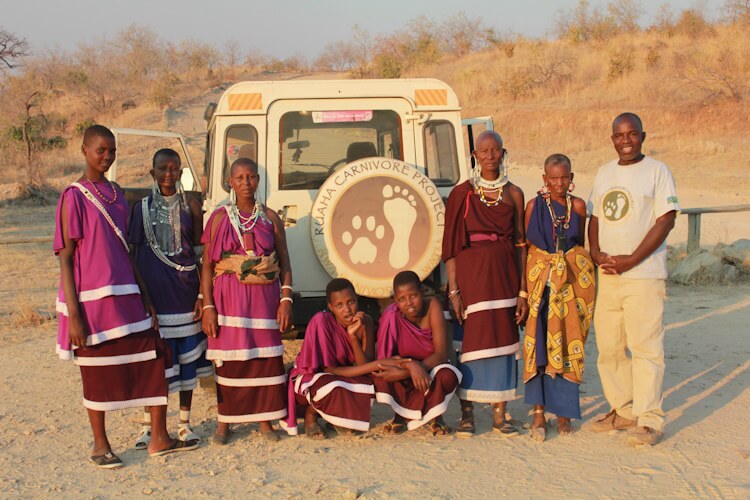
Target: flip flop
394, 427
177, 445
107, 461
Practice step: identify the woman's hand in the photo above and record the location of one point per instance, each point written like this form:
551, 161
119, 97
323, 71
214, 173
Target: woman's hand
356, 329
210, 322
419, 376
151, 311
522, 310
77, 331
389, 373
284, 315
458, 308
198, 310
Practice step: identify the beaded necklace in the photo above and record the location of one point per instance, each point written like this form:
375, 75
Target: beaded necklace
101, 195
559, 236
484, 200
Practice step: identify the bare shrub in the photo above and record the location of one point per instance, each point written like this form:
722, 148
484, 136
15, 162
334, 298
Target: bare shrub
708, 78
620, 64
693, 24
12, 49
653, 57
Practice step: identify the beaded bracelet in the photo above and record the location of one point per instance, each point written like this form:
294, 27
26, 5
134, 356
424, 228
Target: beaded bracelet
286, 287
287, 299
523, 294
209, 306
200, 296
453, 293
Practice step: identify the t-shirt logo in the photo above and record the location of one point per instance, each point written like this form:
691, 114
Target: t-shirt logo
615, 205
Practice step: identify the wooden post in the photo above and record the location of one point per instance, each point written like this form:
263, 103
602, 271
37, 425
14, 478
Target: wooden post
694, 232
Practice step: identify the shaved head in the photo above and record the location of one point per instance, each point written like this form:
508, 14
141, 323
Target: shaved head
558, 159
97, 131
632, 117
165, 153
487, 134
243, 162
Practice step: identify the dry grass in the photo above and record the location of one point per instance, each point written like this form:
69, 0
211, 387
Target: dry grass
681, 87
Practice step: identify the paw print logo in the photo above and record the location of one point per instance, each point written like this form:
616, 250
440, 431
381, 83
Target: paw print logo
360, 239
615, 205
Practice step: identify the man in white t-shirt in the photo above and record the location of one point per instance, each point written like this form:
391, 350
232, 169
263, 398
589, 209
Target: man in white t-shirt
633, 206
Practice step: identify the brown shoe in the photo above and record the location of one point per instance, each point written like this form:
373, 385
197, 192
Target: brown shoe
641, 436
612, 421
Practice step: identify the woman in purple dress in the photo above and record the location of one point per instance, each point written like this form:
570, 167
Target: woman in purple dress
247, 295
103, 308
163, 229
420, 389
560, 283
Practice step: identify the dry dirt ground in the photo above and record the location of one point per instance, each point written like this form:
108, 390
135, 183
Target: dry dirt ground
45, 438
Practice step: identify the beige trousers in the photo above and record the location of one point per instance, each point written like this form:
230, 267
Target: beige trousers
628, 321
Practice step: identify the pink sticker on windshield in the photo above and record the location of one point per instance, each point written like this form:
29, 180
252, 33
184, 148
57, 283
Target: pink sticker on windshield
341, 116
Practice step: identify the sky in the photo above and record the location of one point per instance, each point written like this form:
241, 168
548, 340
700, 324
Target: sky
279, 28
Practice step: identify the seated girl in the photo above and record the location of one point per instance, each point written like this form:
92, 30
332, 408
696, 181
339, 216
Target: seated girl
331, 375
419, 387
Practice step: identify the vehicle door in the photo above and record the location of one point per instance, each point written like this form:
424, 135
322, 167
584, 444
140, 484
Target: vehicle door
135, 151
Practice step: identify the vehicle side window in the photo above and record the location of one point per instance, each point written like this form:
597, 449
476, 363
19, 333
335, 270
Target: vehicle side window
241, 142
441, 157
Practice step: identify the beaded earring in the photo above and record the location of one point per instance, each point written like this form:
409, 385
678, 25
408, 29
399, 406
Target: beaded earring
232, 197
572, 187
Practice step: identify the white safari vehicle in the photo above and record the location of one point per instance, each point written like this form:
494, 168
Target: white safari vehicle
357, 169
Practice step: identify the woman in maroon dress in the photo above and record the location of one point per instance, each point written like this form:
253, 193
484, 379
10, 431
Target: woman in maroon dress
485, 253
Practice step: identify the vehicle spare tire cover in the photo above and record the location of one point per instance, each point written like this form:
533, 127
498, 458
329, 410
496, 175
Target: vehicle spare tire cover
376, 217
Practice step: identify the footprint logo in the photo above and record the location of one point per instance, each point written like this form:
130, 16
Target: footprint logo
361, 248
615, 205
399, 208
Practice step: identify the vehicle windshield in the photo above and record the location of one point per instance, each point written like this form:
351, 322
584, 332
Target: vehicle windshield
315, 143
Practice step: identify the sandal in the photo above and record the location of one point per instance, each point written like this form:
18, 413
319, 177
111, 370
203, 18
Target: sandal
177, 445
538, 434
504, 428
185, 433
466, 424
107, 461
438, 427
144, 439
394, 427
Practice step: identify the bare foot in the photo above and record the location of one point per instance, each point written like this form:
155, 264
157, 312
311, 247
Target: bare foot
222, 433
313, 430
563, 426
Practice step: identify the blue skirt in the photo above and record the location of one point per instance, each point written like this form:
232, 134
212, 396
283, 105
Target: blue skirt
557, 395
189, 362
488, 380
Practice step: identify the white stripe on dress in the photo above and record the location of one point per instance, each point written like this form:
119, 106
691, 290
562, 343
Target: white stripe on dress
253, 323
384, 397
253, 417
178, 332
441, 408
120, 405
106, 291
251, 382
356, 425
175, 319
479, 396
119, 331
191, 356
358, 388
122, 359
489, 305
245, 354
490, 353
